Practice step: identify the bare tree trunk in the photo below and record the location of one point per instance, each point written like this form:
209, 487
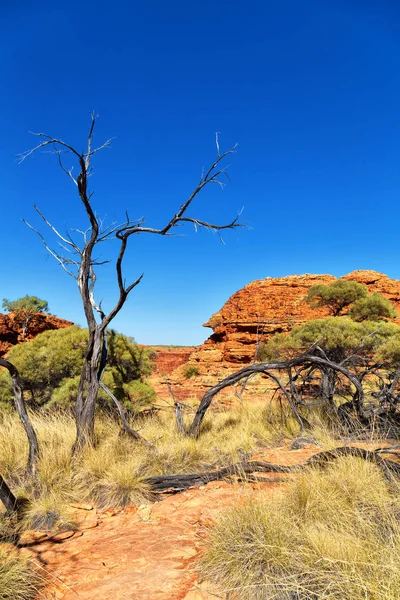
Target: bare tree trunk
88, 391
23, 415
85, 408
7, 497
180, 425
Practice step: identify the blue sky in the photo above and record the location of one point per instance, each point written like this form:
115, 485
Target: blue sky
309, 90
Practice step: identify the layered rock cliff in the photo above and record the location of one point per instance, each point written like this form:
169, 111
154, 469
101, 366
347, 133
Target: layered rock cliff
259, 310
11, 330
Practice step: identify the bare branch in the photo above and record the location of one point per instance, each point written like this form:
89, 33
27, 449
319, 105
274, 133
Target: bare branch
61, 260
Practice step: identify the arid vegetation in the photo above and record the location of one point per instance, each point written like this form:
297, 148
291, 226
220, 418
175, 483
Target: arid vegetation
331, 534
80, 422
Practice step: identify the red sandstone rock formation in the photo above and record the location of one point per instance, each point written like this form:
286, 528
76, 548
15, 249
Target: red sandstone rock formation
261, 309
11, 331
169, 358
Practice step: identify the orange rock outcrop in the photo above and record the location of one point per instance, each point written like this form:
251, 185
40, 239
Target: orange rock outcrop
11, 331
259, 310
168, 358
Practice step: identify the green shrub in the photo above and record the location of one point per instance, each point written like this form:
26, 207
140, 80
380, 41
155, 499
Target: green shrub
191, 371
372, 308
337, 336
50, 366
336, 296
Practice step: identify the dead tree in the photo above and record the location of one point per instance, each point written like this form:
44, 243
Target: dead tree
268, 369
78, 260
19, 403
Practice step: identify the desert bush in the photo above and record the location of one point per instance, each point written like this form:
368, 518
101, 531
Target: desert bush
332, 534
50, 366
190, 371
373, 307
337, 336
336, 296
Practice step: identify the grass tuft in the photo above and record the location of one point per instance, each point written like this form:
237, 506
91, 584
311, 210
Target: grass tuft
113, 473
332, 534
19, 578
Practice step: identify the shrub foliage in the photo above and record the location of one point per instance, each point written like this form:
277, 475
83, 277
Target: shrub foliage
50, 367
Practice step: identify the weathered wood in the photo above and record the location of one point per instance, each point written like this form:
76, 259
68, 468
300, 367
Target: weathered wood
180, 425
266, 368
125, 425
7, 497
19, 402
79, 261
180, 482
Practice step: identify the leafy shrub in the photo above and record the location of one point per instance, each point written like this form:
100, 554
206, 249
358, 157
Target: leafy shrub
50, 366
336, 296
191, 371
337, 336
372, 308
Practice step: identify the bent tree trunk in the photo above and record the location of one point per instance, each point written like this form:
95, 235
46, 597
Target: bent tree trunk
266, 368
23, 415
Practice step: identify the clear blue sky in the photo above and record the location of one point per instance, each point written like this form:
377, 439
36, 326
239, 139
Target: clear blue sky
310, 90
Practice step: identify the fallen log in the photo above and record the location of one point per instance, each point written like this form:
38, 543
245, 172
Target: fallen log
180, 482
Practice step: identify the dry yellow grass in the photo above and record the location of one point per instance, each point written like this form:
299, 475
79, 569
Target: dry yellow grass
113, 472
332, 534
19, 578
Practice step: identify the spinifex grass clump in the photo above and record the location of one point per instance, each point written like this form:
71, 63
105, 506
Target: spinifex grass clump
114, 471
19, 578
332, 534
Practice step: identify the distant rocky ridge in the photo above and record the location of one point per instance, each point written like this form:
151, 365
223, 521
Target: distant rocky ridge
11, 331
262, 308
259, 310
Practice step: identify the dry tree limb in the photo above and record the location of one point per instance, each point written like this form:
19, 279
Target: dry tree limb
180, 425
19, 402
7, 497
125, 425
265, 369
179, 482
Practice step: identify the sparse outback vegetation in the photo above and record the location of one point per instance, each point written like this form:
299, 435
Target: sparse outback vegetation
191, 371
114, 472
332, 534
342, 295
61, 356
26, 310
19, 577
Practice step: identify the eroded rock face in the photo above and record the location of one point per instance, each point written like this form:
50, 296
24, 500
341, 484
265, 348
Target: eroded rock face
11, 330
168, 358
259, 310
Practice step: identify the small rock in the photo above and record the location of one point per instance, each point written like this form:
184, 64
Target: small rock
63, 535
86, 521
31, 536
144, 512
